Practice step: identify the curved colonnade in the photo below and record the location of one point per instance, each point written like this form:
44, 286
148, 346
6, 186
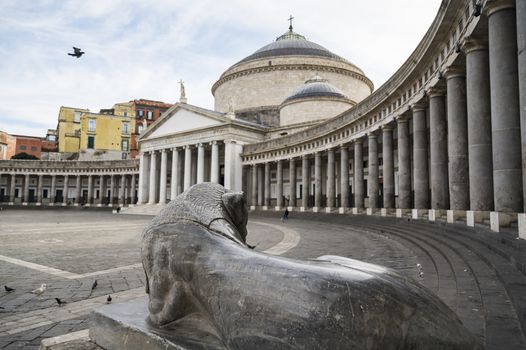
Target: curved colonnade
441, 138
62, 183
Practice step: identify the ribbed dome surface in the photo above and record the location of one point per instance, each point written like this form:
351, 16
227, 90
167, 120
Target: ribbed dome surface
315, 87
289, 44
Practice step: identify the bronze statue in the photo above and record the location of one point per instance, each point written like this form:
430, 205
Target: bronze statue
199, 267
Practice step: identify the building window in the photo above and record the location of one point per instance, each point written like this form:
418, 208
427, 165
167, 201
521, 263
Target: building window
140, 129
125, 114
91, 142
150, 115
140, 113
91, 125
45, 193
22, 147
125, 128
51, 138
77, 117
33, 149
125, 144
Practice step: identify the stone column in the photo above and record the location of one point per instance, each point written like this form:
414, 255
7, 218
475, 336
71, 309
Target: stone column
53, 189
344, 176
12, 189
90, 190
521, 49
372, 179
331, 179
438, 149
267, 185
200, 163
152, 192
292, 182
254, 192
25, 199
305, 177
187, 167
457, 139
260, 186
133, 189
479, 125
175, 179
163, 182
317, 180
77, 190
505, 115
65, 190
214, 166
420, 163
39, 190
112, 189
388, 167
279, 185
404, 164
102, 189
122, 191
358, 174
144, 179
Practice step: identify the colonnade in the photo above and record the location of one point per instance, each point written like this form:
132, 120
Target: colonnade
68, 188
166, 172
456, 151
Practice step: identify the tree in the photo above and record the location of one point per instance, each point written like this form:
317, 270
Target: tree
24, 155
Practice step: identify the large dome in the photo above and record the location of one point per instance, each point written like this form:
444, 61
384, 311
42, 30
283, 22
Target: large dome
291, 43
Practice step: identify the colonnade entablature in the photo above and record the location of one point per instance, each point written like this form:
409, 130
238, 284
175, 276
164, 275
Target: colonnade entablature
442, 137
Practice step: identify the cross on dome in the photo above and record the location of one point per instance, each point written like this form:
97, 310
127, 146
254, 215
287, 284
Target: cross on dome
290, 21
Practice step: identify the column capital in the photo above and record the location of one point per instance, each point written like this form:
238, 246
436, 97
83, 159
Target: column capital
386, 127
199, 145
213, 142
454, 72
474, 43
188, 147
163, 150
401, 119
418, 107
358, 141
436, 91
175, 149
493, 6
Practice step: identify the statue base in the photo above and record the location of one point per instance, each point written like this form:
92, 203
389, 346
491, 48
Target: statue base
125, 326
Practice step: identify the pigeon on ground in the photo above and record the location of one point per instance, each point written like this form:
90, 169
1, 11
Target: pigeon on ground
108, 299
9, 289
94, 285
60, 302
39, 290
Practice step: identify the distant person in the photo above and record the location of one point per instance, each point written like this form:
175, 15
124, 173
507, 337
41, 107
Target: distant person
285, 215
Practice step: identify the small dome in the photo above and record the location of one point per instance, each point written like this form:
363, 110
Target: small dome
316, 87
291, 43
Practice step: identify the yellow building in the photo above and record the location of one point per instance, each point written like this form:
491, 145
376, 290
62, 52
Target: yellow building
106, 132
68, 129
124, 109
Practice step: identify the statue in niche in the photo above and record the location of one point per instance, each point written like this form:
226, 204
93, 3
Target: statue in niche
199, 267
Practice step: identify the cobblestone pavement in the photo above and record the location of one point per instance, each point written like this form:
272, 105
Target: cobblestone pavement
479, 274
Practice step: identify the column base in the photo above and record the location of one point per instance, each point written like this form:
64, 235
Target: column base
343, 210
371, 211
38, 204
521, 219
290, 208
25, 203
11, 203
499, 219
400, 213
453, 215
265, 207
315, 209
418, 213
357, 211
75, 204
302, 209
386, 211
51, 204
64, 204
328, 209
435, 214
277, 208
252, 207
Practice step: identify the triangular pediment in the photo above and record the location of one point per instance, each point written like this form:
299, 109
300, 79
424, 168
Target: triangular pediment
179, 120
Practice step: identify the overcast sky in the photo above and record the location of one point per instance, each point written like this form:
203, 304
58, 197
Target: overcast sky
140, 49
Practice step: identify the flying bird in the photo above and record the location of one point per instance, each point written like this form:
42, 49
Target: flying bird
39, 290
60, 302
77, 52
108, 299
9, 289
